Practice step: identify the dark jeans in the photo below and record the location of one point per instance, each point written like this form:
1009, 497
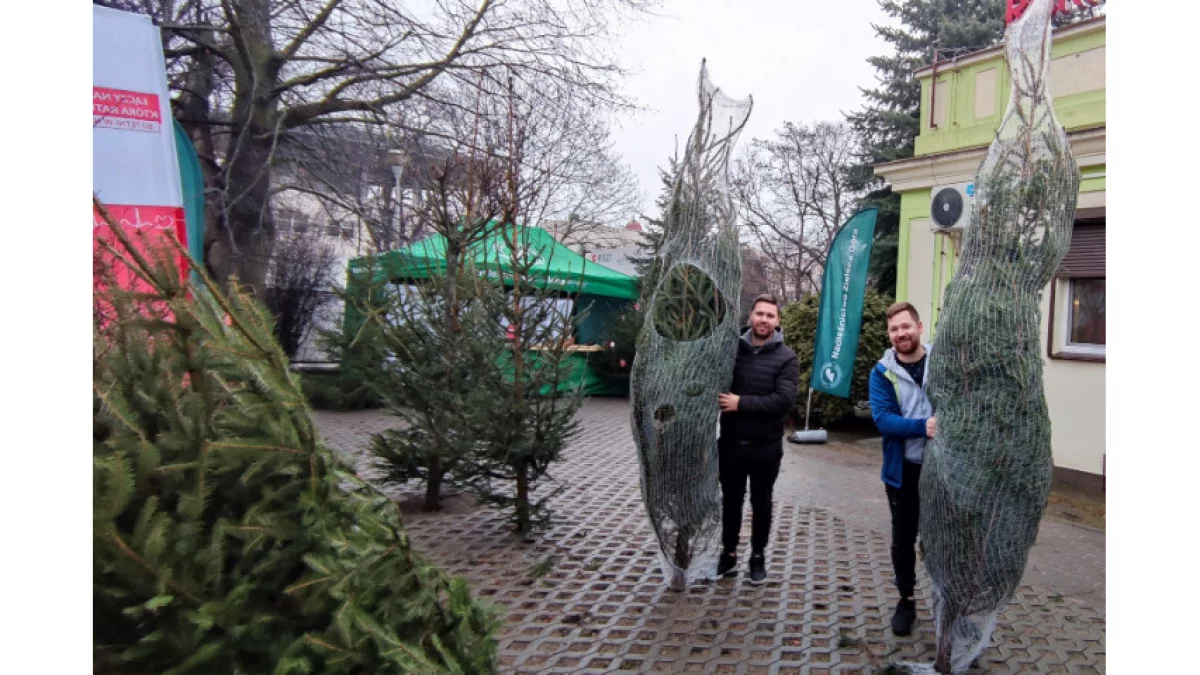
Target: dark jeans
905, 503
759, 463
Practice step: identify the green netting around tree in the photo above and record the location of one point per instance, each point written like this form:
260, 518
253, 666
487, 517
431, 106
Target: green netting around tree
986, 477
687, 345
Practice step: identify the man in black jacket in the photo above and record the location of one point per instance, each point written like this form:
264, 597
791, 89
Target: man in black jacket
766, 379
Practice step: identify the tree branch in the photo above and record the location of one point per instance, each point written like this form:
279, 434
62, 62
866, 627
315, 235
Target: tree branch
303, 114
307, 32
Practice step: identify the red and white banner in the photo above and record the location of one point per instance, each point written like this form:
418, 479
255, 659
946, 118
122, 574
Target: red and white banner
129, 110
135, 171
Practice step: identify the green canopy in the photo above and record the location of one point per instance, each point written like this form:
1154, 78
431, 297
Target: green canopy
556, 266
191, 181
600, 291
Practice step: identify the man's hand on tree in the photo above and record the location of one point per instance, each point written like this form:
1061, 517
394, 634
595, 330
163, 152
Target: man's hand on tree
931, 427
729, 402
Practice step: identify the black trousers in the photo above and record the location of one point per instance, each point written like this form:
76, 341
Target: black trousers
760, 464
905, 503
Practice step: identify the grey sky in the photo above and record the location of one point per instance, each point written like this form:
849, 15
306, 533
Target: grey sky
802, 60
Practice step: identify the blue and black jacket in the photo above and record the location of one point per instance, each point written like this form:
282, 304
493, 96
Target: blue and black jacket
900, 409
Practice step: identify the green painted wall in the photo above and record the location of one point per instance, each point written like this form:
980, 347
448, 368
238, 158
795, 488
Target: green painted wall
962, 129
945, 260
913, 205
1092, 179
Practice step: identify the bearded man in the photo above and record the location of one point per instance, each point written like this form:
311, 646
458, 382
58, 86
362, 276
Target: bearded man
904, 416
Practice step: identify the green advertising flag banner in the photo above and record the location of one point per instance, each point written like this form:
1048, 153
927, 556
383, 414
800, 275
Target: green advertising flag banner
840, 317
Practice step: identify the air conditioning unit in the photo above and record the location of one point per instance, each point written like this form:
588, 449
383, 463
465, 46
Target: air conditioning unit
950, 207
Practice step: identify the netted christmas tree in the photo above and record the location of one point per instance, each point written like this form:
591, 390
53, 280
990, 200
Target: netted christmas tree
686, 349
226, 538
986, 477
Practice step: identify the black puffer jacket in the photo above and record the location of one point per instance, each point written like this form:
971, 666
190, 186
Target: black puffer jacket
767, 380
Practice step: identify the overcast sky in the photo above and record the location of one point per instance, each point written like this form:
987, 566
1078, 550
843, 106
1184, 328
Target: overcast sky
802, 60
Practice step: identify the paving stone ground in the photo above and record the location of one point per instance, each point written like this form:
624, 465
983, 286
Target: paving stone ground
587, 596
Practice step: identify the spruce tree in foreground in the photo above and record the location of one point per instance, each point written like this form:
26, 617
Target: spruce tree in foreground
226, 538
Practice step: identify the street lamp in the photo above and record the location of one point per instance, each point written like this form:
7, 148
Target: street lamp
395, 159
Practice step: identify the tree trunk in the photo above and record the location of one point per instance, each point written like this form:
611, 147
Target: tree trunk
800, 264
524, 521
433, 484
245, 234
193, 111
683, 549
944, 646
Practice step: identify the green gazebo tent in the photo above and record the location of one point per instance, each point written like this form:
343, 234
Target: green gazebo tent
600, 293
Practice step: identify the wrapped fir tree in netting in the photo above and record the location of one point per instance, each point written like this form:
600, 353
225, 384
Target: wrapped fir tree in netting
986, 477
226, 538
686, 349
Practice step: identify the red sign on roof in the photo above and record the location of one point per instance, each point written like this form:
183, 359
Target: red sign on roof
1017, 7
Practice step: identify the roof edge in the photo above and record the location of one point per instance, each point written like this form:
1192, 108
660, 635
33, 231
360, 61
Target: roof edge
1084, 27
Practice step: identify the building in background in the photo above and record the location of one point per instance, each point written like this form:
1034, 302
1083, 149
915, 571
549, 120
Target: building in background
962, 103
613, 247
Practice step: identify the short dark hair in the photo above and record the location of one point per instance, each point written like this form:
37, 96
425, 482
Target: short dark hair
902, 307
765, 297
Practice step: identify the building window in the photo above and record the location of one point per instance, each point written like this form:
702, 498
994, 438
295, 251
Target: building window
1077, 318
1086, 312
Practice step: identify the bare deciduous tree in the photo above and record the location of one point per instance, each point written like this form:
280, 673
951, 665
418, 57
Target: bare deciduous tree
558, 151
756, 278
299, 280
792, 195
341, 171
247, 73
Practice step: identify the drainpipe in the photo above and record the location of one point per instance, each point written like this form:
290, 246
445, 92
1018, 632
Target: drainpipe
933, 91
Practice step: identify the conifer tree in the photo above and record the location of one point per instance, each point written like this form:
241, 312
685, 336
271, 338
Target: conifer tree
655, 231
226, 537
535, 397
432, 325
473, 350
888, 124
479, 363
434, 350
536, 394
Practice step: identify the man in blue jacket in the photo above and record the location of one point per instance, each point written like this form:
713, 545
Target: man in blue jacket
904, 416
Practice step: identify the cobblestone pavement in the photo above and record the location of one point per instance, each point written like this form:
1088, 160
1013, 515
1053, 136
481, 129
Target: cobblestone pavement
587, 595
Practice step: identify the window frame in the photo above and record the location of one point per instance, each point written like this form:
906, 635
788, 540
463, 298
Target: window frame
1058, 344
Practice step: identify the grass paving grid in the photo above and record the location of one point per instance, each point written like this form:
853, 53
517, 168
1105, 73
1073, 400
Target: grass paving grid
587, 596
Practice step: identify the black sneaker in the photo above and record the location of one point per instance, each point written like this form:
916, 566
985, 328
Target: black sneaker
758, 569
727, 565
902, 620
